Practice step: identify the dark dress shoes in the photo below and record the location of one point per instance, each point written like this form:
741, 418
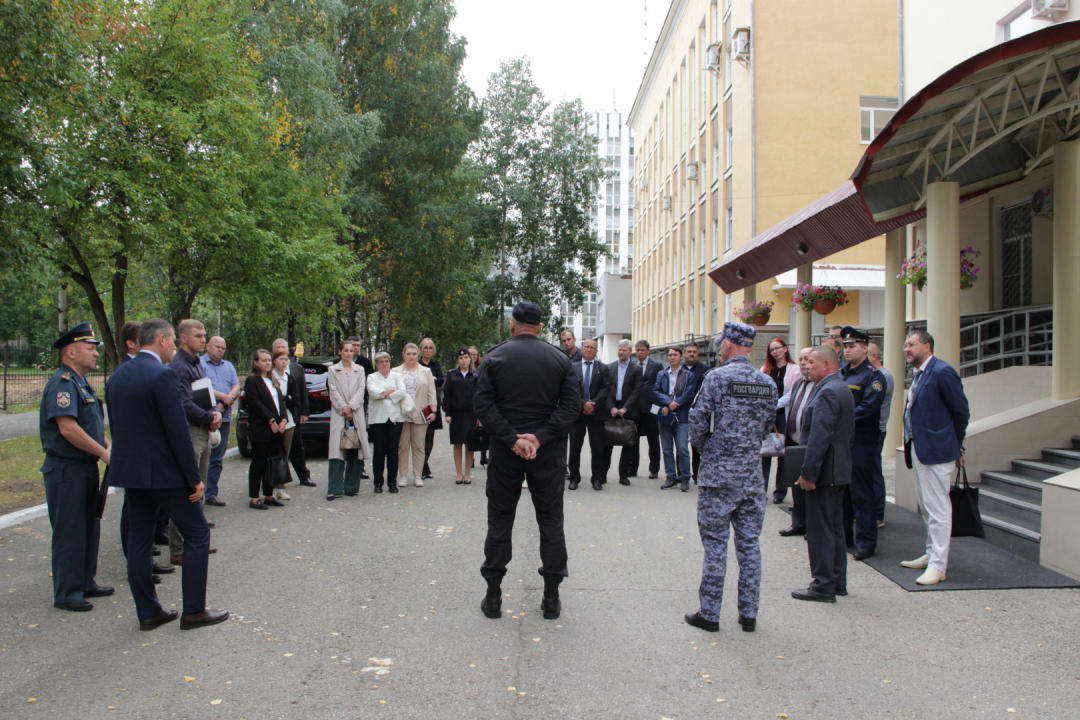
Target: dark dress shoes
349, 494
157, 579
165, 616
177, 560
748, 624
864, 554
257, 505
273, 501
686, 486
363, 476
841, 591
491, 607
378, 488
99, 591
552, 607
210, 524
777, 499
156, 551
392, 489
669, 483
653, 476
624, 481
330, 498
307, 482
596, 485
163, 569
190, 621
162, 539
699, 622
573, 484
210, 551
213, 500
792, 531
812, 596
77, 606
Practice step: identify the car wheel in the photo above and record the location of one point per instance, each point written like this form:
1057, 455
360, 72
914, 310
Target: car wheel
243, 445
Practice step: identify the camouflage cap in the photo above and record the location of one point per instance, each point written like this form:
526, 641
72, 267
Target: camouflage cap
739, 333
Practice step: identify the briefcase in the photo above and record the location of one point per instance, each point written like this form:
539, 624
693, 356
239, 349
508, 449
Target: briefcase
793, 462
966, 520
620, 431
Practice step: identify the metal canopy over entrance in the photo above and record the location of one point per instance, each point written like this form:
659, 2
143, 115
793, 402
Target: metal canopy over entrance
989, 121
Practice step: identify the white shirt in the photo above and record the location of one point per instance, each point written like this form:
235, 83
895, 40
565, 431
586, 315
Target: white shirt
151, 353
273, 395
283, 383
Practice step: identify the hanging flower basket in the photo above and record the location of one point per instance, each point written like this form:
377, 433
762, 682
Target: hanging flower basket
913, 270
821, 299
757, 312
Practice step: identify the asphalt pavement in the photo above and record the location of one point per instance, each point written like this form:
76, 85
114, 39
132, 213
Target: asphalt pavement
17, 425
368, 607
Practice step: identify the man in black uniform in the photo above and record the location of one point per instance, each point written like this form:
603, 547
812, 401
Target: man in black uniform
527, 397
72, 426
868, 391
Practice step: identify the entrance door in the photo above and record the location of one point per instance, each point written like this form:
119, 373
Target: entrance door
1016, 256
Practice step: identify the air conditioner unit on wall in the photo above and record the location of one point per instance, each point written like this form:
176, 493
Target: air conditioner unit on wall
1042, 202
1047, 8
665, 202
740, 45
713, 59
692, 171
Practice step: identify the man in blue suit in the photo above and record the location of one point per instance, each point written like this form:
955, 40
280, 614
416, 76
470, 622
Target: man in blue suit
153, 459
935, 423
674, 392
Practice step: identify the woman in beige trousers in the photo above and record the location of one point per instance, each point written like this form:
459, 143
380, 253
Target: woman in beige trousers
420, 386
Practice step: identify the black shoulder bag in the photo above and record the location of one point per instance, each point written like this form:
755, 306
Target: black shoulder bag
966, 520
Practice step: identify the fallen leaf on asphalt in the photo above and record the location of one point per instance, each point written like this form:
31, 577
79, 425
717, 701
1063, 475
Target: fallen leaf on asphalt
288, 654
188, 678
216, 702
31, 699
536, 639
521, 693
782, 716
719, 699
472, 666
888, 681
714, 643
380, 661
1012, 710
382, 702
511, 689
32, 626
110, 708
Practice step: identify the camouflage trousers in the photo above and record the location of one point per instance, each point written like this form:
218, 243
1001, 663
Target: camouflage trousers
744, 511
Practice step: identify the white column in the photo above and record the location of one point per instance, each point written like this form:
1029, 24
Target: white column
943, 269
804, 276
1065, 376
892, 355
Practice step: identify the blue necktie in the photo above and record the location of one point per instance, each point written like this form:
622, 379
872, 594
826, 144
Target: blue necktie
588, 378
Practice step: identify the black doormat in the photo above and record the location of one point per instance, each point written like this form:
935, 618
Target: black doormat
974, 564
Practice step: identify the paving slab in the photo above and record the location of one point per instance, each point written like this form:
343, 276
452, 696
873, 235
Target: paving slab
368, 607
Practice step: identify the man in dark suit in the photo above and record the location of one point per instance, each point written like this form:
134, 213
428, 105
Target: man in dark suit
153, 459
646, 418
796, 413
303, 411
595, 393
935, 423
569, 343
625, 389
698, 370
828, 428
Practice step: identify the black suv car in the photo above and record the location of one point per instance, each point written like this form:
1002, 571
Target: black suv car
315, 433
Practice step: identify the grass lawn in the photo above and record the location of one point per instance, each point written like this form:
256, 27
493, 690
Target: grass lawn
21, 485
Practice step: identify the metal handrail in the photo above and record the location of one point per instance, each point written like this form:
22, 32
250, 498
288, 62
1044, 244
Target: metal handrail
1003, 338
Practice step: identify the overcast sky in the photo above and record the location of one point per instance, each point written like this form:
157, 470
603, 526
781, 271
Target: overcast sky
592, 49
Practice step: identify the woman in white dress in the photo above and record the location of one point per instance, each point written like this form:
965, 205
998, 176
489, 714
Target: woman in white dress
385, 392
420, 388
346, 385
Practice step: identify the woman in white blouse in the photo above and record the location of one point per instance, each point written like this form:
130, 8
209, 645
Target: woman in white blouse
385, 391
420, 387
345, 383
265, 406
285, 383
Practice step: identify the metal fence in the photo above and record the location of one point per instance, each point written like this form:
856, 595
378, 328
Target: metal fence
27, 369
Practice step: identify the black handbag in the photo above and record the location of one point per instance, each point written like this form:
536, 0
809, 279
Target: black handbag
620, 431
479, 438
277, 470
966, 520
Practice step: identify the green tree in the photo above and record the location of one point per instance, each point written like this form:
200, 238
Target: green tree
541, 171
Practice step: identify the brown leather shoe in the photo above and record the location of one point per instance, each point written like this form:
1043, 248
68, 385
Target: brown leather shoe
190, 621
165, 616
212, 550
176, 560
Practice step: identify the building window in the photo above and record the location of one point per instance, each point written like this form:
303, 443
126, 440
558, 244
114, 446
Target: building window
727, 54
1016, 256
727, 307
729, 134
715, 225
1017, 24
701, 318
729, 232
588, 316
874, 114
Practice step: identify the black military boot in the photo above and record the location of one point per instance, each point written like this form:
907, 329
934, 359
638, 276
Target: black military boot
551, 605
491, 605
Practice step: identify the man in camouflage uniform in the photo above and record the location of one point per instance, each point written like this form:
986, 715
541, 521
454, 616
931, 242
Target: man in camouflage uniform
735, 408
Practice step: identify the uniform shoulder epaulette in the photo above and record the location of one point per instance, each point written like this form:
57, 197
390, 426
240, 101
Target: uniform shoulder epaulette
66, 376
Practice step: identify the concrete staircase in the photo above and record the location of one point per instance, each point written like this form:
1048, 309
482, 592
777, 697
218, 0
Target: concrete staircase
1011, 502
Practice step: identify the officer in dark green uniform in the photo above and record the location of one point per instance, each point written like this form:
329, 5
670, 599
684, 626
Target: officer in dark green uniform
72, 425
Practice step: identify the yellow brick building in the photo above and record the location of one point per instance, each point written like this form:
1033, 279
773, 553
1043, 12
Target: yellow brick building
736, 94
